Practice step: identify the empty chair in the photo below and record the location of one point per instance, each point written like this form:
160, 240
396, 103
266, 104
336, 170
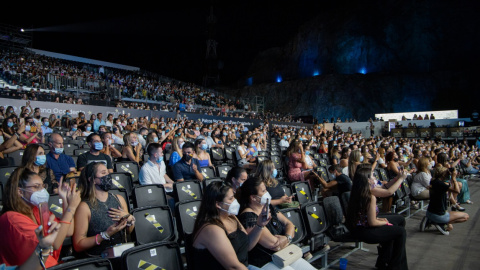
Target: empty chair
207, 182
149, 195
316, 224
207, 172
217, 155
159, 255
187, 190
122, 180
229, 155
295, 216
185, 216
16, 157
128, 167
303, 192
122, 192
153, 224
337, 230
322, 172
79, 151
68, 149
222, 170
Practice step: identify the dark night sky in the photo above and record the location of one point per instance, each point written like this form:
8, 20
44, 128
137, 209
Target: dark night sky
169, 39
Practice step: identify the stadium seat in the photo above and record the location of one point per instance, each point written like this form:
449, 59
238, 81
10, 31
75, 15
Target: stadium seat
295, 216
153, 224
122, 180
229, 155
122, 192
79, 151
128, 167
5, 173
222, 170
303, 192
187, 190
217, 155
337, 231
159, 255
207, 172
316, 224
88, 263
345, 197
149, 195
185, 216
207, 182
68, 149
16, 157
55, 204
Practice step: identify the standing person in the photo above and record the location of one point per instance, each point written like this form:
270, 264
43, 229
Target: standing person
444, 180
364, 223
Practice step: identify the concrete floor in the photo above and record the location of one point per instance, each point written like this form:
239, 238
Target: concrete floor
429, 249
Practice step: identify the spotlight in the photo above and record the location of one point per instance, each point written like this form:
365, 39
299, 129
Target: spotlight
363, 70
279, 78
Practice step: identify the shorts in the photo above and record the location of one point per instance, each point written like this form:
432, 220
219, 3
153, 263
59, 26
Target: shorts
443, 219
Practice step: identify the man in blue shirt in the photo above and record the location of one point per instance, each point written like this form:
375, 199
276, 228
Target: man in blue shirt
187, 167
60, 163
98, 122
45, 128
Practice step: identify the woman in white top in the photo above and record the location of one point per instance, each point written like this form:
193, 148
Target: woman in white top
109, 122
245, 160
421, 181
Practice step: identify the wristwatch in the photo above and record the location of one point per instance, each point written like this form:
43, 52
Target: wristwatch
289, 237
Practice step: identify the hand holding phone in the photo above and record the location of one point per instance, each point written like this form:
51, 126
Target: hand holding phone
44, 217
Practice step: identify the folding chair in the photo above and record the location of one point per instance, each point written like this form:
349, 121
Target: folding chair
229, 155
122, 180
303, 192
16, 157
217, 155
316, 224
159, 255
222, 170
295, 216
187, 190
149, 195
207, 172
153, 224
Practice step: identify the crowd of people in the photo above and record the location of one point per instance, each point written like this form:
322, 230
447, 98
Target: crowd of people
172, 150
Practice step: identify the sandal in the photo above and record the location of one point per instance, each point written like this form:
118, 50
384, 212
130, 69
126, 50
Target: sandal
469, 202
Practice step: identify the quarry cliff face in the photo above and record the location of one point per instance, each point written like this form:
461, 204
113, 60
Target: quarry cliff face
374, 57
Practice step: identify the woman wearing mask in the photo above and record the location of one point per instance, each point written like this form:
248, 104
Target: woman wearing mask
296, 162
21, 216
245, 160
32, 133
74, 132
101, 216
236, 177
108, 148
219, 240
267, 173
34, 159
201, 153
279, 232
177, 150
354, 160
132, 149
88, 130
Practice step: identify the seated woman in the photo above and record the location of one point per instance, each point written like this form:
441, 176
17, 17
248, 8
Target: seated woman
88, 129
437, 208
132, 149
308, 158
254, 198
34, 159
296, 161
345, 155
20, 216
236, 177
8, 131
245, 160
201, 153
97, 225
108, 147
219, 241
74, 131
421, 181
177, 153
354, 160
267, 173
32, 133
334, 154
364, 223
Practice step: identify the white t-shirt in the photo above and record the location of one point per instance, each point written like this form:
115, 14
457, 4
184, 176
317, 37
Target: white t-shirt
420, 182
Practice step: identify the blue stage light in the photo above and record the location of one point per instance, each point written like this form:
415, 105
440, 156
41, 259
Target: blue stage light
363, 70
279, 78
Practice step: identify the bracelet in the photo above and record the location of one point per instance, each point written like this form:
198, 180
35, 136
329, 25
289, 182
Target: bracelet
131, 223
65, 222
261, 227
104, 236
96, 241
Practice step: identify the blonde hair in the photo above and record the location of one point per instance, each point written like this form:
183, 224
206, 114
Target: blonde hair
176, 147
264, 173
422, 164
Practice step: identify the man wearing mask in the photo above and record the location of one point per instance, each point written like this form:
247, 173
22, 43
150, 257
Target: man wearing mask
341, 181
188, 167
154, 170
94, 155
208, 138
45, 128
60, 163
37, 117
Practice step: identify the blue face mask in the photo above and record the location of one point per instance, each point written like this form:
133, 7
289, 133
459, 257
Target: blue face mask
58, 151
236, 128
159, 159
98, 146
307, 152
197, 128
10, 124
361, 158
204, 146
274, 173
40, 160
155, 139
89, 128
74, 129
46, 124
285, 137
225, 134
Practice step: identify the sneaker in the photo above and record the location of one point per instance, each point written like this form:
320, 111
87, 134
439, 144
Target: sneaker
457, 208
442, 229
423, 224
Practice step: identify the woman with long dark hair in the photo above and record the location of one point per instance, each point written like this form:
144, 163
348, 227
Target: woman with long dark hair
364, 223
219, 240
236, 177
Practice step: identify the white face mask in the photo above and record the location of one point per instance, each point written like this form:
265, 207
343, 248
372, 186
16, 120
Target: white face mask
263, 199
233, 207
38, 197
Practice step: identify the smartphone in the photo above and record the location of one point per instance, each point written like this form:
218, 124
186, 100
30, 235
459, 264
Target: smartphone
122, 219
268, 210
44, 217
293, 195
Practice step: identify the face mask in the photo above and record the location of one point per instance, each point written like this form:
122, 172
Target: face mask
307, 152
1, 139
204, 147
285, 137
181, 145
252, 145
325, 143
89, 128
274, 173
74, 129
159, 159
155, 139
225, 134
40, 160
27, 128
38, 197
58, 151
236, 128
105, 183
10, 124
233, 208
98, 146
245, 143
263, 199
361, 158
197, 128
134, 143
46, 124
187, 158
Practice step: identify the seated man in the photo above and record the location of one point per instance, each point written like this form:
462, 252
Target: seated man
340, 180
187, 167
45, 128
60, 163
154, 170
94, 155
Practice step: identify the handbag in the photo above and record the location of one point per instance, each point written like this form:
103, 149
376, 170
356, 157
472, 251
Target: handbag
287, 256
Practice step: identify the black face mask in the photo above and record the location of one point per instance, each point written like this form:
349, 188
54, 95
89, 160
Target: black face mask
105, 182
395, 159
187, 158
245, 143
